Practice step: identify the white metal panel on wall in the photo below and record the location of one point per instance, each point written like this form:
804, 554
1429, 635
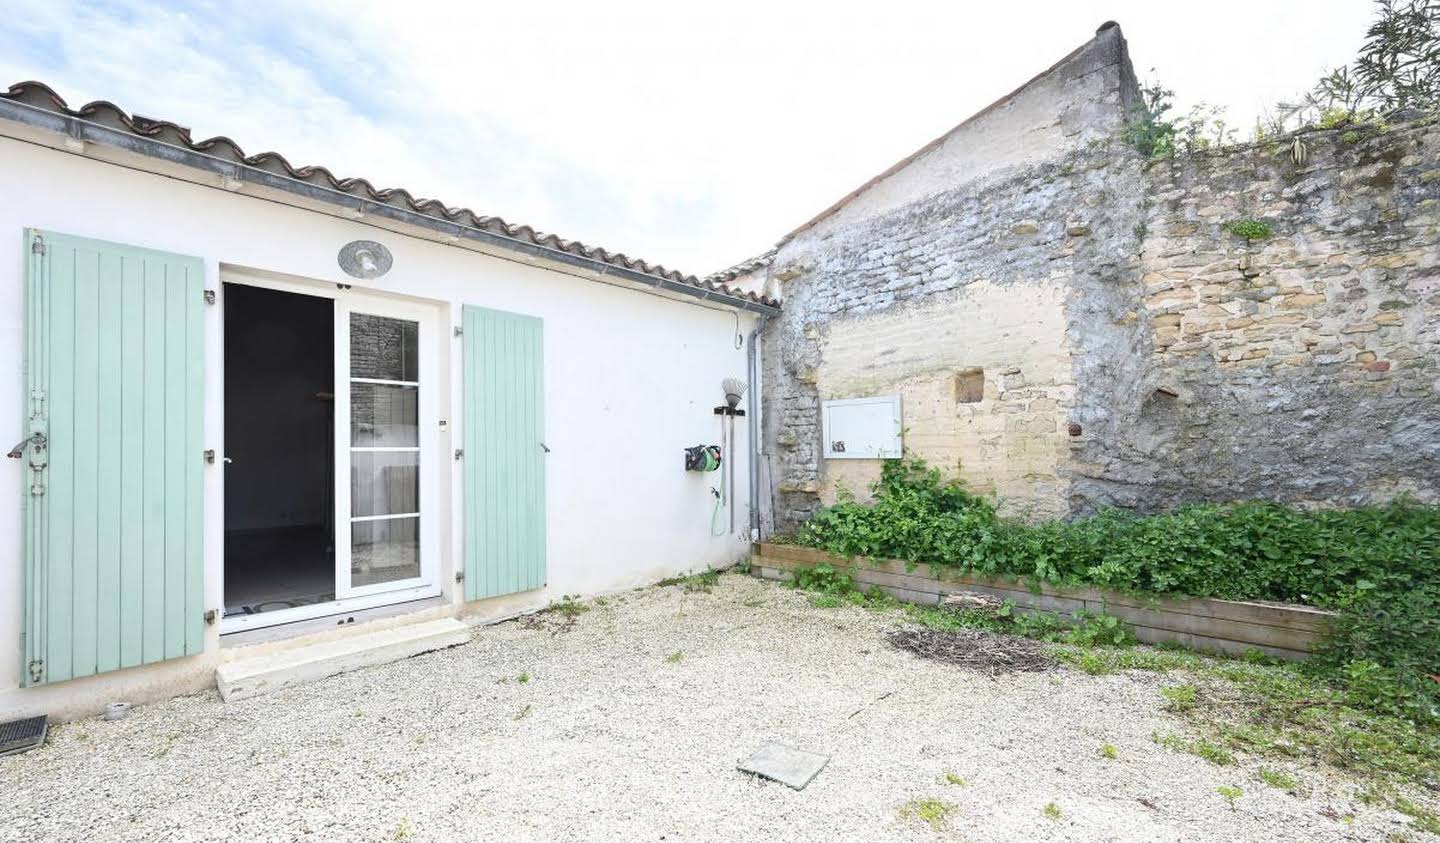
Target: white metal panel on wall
861, 428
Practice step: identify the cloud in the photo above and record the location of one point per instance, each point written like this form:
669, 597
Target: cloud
691, 134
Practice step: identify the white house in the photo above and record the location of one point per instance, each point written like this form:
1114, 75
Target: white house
259, 408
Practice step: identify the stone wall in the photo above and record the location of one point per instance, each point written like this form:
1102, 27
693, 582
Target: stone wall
946, 281
1304, 366
1083, 330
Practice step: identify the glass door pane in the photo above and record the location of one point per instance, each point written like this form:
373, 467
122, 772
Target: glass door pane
384, 450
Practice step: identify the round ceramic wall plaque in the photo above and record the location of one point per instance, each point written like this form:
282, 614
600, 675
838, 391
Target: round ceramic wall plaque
365, 259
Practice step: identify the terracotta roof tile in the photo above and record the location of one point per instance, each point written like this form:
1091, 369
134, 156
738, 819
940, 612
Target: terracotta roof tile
40, 95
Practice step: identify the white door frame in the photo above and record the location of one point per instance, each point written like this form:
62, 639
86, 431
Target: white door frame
431, 465
346, 304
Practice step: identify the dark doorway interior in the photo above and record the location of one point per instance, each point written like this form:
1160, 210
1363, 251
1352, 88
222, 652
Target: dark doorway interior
279, 449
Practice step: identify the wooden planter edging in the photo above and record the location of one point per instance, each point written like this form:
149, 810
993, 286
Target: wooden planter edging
1231, 626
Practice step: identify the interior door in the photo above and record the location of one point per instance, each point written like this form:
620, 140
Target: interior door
385, 436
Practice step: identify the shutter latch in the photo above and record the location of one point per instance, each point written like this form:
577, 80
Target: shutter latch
18, 452
37, 671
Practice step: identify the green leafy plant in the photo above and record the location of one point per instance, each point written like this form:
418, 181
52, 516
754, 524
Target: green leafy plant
404, 830
929, 810
1109, 752
1200, 748
569, 606
1250, 229
1179, 697
1230, 793
1051, 811
1279, 779
675, 657
523, 678
1378, 565
952, 779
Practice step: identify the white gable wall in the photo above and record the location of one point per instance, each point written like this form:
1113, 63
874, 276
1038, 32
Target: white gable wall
630, 380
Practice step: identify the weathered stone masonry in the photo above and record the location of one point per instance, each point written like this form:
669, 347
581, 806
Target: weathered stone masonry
1131, 351
1304, 366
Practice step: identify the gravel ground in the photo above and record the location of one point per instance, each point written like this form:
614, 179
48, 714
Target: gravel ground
614, 736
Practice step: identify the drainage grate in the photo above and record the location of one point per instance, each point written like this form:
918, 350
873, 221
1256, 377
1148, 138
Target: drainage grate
20, 735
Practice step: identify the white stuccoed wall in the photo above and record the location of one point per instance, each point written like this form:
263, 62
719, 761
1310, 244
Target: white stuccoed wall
630, 380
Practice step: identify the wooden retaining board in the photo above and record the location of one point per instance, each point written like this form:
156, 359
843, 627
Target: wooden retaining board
1231, 626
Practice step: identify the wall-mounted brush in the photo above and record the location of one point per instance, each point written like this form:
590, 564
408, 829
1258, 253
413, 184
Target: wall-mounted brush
734, 390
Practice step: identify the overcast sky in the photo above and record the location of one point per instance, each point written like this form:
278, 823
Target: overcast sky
694, 134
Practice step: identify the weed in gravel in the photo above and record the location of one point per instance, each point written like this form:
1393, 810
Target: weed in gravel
1051, 811
523, 713
1109, 752
1384, 795
404, 830
568, 605
1200, 748
1230, 793
168, 745
951, 778
1179, 697
1278, 710
675, 657
701, 582
1280, 780
929, 810
753, 603
523, 678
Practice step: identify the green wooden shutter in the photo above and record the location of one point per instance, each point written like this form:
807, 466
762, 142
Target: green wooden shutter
113, 374
504, 456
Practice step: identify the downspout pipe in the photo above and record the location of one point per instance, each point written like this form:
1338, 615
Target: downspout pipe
752, 416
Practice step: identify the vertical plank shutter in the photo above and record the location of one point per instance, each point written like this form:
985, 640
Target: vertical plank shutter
113, 376
504, 453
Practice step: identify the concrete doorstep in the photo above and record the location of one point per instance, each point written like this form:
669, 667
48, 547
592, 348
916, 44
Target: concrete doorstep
251, 677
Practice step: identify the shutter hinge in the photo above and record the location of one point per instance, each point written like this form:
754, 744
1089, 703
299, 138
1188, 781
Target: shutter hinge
209, 296
459, 331
37, 670
37, 246
459, 452
210, 455
459, 576
210, 617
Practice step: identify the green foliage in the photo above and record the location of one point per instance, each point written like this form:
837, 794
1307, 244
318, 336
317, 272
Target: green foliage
1250, 229
1230, 793
1378, 565
1149, 130
1155, 134
1386, 645
675, 657
1279, 779
929, 810
1051, 811
700, 582
568, 606
1200, 748
952, 779
1109, 752
1179, 697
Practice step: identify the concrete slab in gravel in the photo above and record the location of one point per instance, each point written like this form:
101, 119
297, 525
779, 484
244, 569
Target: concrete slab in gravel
784, 764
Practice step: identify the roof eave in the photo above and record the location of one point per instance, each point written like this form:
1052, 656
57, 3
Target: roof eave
90, 132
